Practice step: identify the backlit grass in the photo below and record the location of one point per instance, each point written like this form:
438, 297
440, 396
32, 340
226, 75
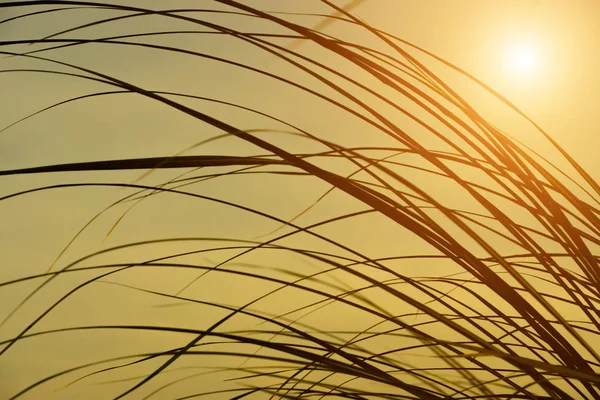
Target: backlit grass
343, 225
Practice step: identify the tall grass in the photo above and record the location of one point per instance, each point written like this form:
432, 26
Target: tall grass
425, 254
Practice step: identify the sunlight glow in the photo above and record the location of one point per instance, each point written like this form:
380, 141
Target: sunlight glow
523, 58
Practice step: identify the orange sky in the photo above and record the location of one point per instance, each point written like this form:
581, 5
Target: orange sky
561, 93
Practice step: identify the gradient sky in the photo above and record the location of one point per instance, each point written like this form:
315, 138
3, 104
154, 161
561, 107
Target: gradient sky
560, 92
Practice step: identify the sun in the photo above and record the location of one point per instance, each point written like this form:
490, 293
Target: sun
522, 58
525, 58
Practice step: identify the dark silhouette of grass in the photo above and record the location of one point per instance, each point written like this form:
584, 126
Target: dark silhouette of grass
501, 324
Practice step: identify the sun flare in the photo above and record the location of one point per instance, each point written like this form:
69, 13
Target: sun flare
523, 58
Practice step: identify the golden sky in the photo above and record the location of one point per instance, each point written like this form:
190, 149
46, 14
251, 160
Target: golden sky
538, 54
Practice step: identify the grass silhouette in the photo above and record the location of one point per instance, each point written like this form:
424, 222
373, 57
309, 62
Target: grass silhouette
502, 304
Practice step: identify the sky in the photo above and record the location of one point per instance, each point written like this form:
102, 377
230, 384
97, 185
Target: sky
537, 54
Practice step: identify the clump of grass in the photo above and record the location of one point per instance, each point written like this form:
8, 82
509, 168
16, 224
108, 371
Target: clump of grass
493, 297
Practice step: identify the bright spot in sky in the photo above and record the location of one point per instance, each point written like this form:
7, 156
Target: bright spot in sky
522, 58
